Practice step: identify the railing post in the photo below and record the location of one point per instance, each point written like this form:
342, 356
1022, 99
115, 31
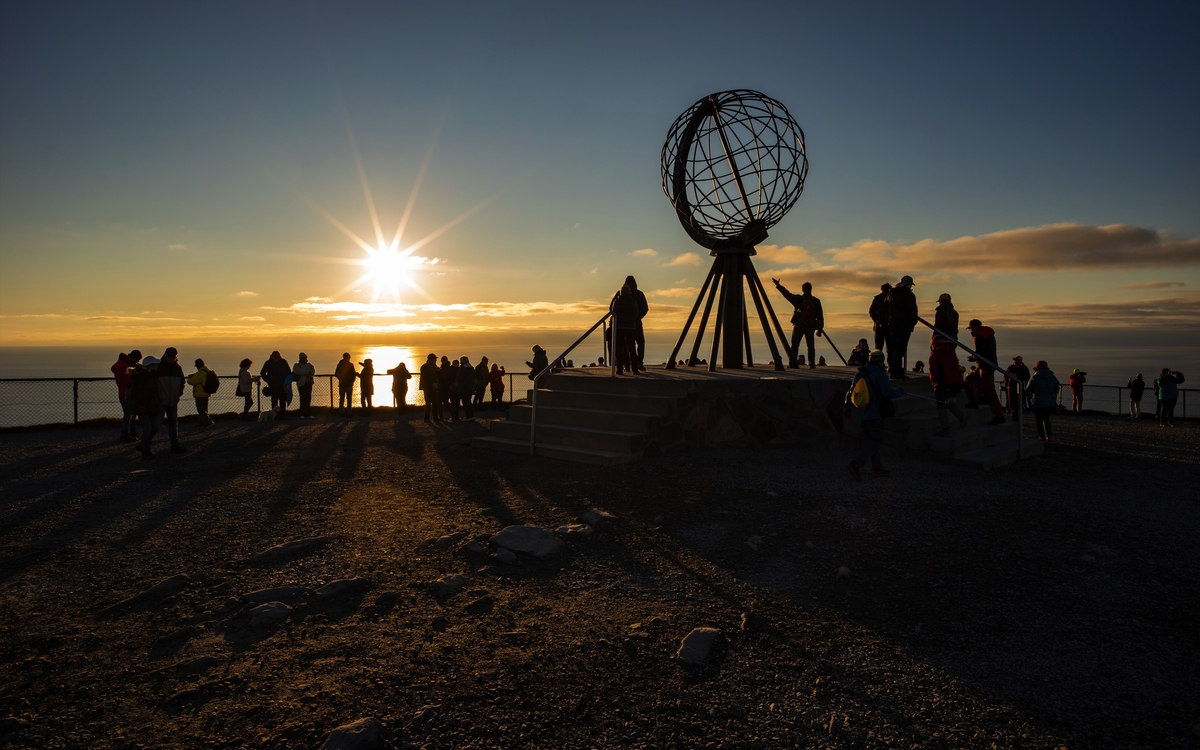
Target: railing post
75, 398
258, 394
1118, 400
331, 392
1017, 412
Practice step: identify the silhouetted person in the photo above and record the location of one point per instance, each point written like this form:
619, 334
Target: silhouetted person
275, 371
303, 375
947, 381
120, 370
639, 336
808, 320
170, 388
446, 383
481, 381
879, 387
145, 400
1077, 380
466, 388
985, 344
902, 319
245, 387
1137, 387
400, 377
1166, 386
496, 381
199, 383
879, 316
945, 318
1019, 371
971, 387
366, 384
427, 383
345, 374
1043, 394
821, 362
624, 310
861, 355
918, 368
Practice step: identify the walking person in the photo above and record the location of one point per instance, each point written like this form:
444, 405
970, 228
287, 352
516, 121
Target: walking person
624, 310
860, 356
808, 320
466, 388
170, 389
145, 400
878, 387
400, 377
945, 318
496, 381
200, 383
245, 388
366, 384
345, 375
276, 371
1020, 373
481, 382
120, 370
1166, 385
427, 383
303, 375
1077, 380
1137, 387
879, 317
1043, 393
902, 319
947, 381
985, 345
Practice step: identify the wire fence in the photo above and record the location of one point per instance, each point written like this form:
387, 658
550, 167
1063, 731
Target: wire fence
32, 402
1110, 398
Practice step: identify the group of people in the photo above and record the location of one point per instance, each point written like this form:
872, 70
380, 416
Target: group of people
455, 383
149, 389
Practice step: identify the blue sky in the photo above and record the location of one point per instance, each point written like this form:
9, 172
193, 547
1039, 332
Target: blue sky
180, 149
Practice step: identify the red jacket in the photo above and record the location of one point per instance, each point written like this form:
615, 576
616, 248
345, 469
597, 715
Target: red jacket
943, 367
496, 379
1077, 382
120, 371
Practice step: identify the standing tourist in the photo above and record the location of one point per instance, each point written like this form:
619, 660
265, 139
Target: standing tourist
428, 385
879, 317
170, 388
245, 387
945, 318
303, 375
1077, 379
1137, 387
466, 388
1043, 393
861, 355
445, 386
400, 377
481, 382
1166, 385
276, 371
902, 319
808, 320
120, 371
496, 381
877, 387
145, 400
985, 346
200, 383
1020, 373
541, 362
947, 381
625, 321
345, 375
366, 384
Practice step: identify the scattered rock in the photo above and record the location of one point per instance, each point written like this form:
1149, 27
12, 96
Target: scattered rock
447, 586
10, 724
439, 624
269, 614
475, 548
504, 555
343, 587
481, 606
574, 529
288, 550
531, 540
843, 572
696, 645
173, 641
595, 517
364, 734
1088, 558
277, 594
753, 542
751, 621
161, 590
441, 543
199, 665
386, 601
809, 545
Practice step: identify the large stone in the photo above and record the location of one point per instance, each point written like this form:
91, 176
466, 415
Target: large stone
277, 594
595, 517
529, 540
288, 550
447, 585
574, 529
160, 590
441, 542
364, 734
696, 646
269, 614
343, 587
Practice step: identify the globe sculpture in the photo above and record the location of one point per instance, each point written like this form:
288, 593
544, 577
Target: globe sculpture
733, 165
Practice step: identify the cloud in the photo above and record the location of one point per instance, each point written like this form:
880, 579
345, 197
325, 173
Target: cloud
127, 318
1056, 247
645, 252
686, 259
593, 271
247, 293
783, 255
688, 291
252, 317
325, 306
1151, 285
177, 247
1163, 312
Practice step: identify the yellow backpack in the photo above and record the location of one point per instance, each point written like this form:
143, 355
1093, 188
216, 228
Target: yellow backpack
860, 394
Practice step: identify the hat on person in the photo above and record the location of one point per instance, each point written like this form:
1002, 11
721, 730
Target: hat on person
944, 298
171, 352
1165, 371
975, 323
1041, 365
907, 281
1075, 371
150, 360
877, 355
303, 357
1017, 358
199, 362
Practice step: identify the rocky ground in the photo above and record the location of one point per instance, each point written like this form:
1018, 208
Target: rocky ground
150, 604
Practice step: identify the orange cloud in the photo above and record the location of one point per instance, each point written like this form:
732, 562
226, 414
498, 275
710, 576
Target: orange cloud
686, 259
787, 254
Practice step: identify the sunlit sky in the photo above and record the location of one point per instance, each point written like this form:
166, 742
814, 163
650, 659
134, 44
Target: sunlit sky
201, 171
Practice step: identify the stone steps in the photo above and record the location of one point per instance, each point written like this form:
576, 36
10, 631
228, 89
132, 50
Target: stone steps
616, 441
658, 405
565, 453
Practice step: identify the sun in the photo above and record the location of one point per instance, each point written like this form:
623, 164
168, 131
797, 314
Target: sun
389, 269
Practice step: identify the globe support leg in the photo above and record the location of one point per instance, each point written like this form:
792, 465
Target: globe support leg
732, 313
712, 272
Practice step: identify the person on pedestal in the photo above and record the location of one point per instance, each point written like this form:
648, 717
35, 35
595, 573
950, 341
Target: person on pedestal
639, 338
902, 319
808, 320
985, 345
879, 316
625, 324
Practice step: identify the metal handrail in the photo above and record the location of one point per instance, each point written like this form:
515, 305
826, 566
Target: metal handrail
980, 358
549, 367
825, 335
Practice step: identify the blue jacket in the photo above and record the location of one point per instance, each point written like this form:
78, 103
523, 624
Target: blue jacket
1043, 389
1166, 387
880, 385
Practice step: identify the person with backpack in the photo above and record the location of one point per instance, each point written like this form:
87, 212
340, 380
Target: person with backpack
201, 382
303, 375
902, 319
400, 377
869, 401
1137, 387
1077, 379
145, 400
879, 316
481, 382
276, 371
245, 388
427, 383
345, 375
1043, 395
496, 381
120, 371
947, 381
808, 320
170, 388
985, 346
1166, 387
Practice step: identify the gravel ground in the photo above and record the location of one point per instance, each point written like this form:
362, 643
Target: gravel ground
1050, 604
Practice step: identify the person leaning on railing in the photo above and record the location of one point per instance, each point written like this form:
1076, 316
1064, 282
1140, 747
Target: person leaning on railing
245, 387
198, 380
1136, 387
120, 371
303, 374
427, 383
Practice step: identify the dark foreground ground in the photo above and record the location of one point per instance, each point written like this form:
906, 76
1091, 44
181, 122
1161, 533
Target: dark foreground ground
1052, 604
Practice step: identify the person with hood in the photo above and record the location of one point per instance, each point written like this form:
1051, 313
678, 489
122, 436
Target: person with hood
1077, 379
1043, 394
366, 384
145, 400
879, 316
1020, 374
878, 387
276, 371
639, 336
427, 382
400, 377
945, 318
466, 388
1136, 387
245, 387
303, 375
985, 346
120, 371
481, 382
540, 362
947, 381
902, 319
808, 321
861, 355
1166, 387
345, 375
170, 388
624, 310
198, 381
496, 381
